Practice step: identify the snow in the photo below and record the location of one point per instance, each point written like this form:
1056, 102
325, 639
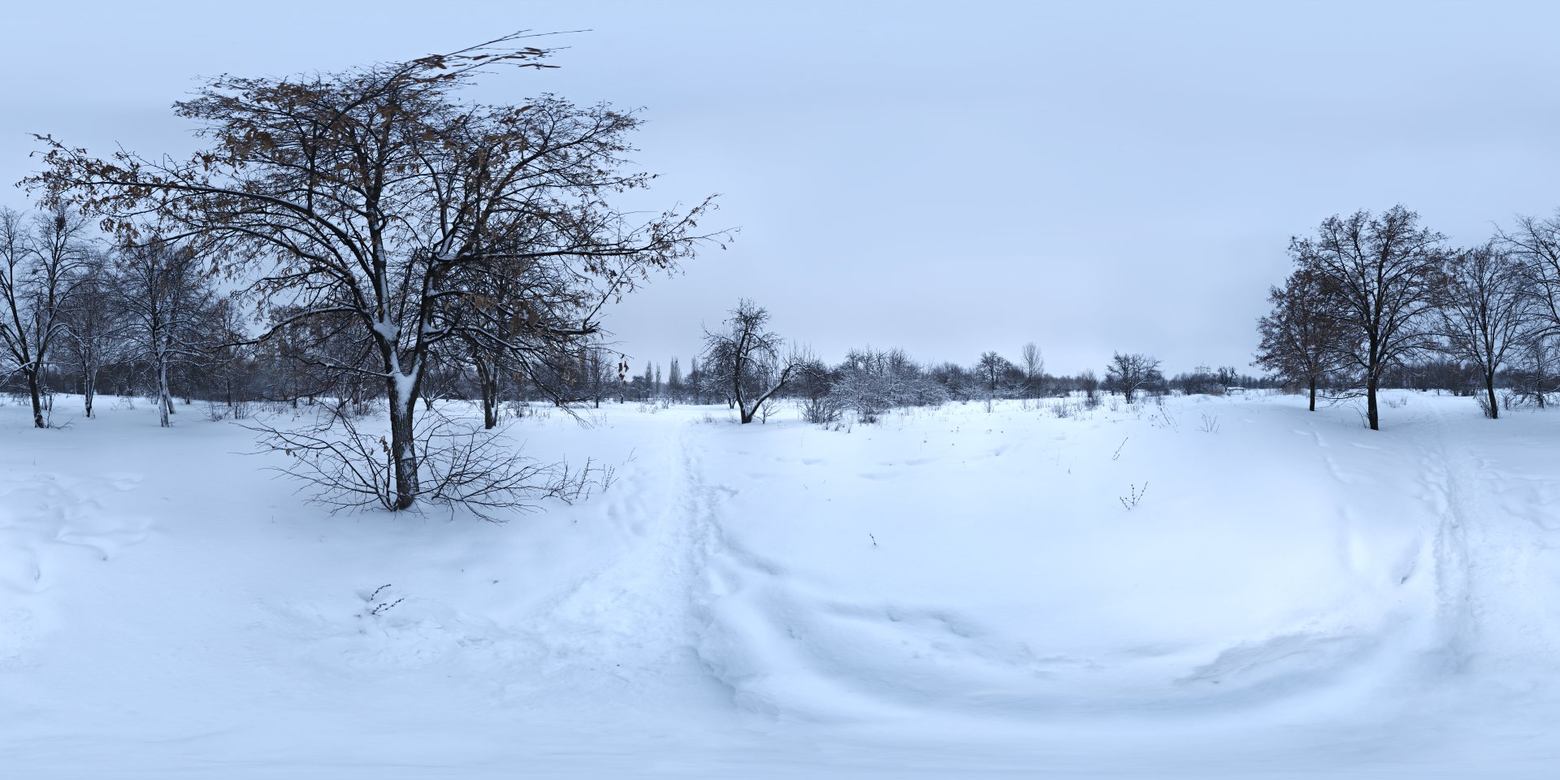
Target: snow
948, 593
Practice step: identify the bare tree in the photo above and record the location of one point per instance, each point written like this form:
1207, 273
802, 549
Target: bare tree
165, 299
16, 327
36, 270
375, 197
1301, 340
1380, 276
746, 359
1089, 383
1485, 309
994, 372
1131, 373
93, 326
1034, 368
1535, 245
1534, 379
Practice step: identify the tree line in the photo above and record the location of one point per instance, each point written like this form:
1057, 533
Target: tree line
1378, 300
140, 314
750, 368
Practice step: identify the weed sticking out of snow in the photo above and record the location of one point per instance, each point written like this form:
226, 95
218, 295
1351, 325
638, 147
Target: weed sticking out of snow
374, 605
1133, 496
1210, 423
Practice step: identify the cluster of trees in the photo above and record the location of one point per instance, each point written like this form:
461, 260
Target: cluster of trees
396, 240
140, 313
1376, 300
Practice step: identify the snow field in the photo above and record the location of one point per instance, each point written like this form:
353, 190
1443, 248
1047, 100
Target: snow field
948, 592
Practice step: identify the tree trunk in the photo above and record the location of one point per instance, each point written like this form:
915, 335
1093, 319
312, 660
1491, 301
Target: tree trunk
1372, 413
403, 448
1489, 387
1313, 393
487, 381
34, 390
489, 410
164, 400
88, 390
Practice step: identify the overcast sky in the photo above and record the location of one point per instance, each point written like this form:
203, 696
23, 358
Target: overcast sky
948, 178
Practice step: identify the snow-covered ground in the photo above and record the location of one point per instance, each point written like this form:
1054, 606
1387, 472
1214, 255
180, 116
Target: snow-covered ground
949, 593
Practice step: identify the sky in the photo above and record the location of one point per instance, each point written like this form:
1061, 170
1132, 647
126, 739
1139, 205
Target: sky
949, 178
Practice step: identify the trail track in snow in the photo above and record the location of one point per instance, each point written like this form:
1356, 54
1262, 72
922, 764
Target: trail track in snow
633, 624
1497, 565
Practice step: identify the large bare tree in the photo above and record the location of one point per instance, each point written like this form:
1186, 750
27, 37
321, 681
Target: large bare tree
1380, 275
1132, 372
376, 197
1485, 310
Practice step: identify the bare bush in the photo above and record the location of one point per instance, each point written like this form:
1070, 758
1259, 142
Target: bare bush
346, 467
1090, 384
